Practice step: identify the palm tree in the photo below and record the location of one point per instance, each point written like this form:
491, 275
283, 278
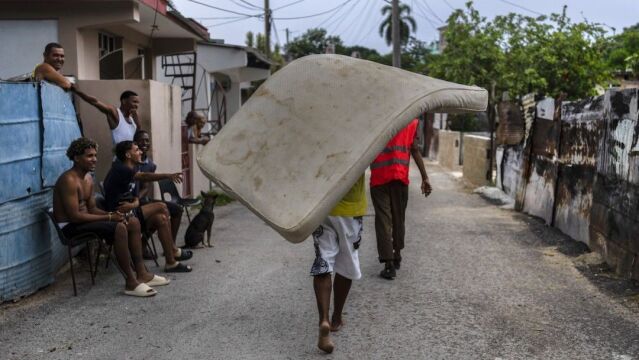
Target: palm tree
406, 23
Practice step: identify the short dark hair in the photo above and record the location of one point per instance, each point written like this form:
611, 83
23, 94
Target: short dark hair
121, 148
79, 146
138, 135
127, 94
191, 116
50, 46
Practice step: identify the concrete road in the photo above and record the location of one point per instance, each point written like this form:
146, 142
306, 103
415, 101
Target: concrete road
476, 283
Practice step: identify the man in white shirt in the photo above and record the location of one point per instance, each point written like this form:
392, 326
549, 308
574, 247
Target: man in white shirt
123, 121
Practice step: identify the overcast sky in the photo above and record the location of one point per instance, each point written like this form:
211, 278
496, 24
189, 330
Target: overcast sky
357, 22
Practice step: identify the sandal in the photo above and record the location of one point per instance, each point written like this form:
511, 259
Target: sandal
142, 290
183, 255
179, 268
158, 281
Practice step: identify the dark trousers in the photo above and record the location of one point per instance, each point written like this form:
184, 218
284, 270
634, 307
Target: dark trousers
390, 202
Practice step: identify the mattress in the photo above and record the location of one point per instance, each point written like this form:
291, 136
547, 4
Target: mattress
295, 148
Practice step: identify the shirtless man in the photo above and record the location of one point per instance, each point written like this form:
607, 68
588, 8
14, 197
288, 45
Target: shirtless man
51, 67
123, 121
74, 209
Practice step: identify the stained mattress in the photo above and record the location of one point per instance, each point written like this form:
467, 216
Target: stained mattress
311, 130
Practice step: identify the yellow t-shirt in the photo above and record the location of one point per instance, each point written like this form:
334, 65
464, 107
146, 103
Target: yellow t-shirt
354, 202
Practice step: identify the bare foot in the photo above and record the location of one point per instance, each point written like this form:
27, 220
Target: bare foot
336, 324
324, 342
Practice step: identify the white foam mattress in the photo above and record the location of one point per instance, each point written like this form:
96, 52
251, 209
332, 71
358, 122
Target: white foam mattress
311, 130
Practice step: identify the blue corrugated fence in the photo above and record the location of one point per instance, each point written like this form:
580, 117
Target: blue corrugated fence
37, 122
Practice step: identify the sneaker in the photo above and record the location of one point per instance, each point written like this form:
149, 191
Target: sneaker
388, 273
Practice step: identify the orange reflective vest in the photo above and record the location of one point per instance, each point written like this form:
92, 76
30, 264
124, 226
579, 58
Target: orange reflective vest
393, 162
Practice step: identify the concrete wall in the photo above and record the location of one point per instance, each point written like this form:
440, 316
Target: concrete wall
449, 149
476, 162
23, 42
73, 32
159, 114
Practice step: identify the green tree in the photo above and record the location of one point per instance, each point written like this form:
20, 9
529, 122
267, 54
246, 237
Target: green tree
521, 54
473, 54
250, 39
622, 49
313, 41
407, 24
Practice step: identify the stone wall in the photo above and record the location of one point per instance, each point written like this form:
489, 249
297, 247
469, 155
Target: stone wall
448, 153
476, 159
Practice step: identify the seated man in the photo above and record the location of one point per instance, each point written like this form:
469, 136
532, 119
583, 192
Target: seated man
196, 122
121, 194
143, 141
51, 67
75, 211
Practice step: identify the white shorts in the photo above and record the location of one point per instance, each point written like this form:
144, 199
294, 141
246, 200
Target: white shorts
336, 242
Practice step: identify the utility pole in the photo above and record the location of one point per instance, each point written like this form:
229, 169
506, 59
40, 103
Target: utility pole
267, 28
288, 33
397, 50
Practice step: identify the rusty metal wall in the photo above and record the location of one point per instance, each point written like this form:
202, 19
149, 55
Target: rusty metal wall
539, 197
578, 169
511, 127
580, 133
614, 222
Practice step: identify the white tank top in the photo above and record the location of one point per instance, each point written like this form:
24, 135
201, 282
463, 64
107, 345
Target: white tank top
124, 130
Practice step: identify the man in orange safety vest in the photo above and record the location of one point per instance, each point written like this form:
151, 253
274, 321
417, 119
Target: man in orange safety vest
389, 192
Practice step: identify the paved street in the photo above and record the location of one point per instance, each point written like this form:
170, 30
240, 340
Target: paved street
477, 282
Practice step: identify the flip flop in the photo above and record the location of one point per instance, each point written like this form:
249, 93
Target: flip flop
158, 281
184, 255
142, 290
179, 268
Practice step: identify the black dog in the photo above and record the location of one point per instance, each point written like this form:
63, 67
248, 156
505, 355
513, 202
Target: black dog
202, 222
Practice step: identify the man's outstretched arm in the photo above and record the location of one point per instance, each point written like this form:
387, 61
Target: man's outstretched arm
109, 110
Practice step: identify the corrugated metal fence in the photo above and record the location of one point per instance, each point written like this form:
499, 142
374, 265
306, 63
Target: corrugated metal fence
37, 122
577, 168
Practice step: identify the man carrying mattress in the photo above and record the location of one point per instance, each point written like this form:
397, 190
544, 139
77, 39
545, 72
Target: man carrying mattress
389, 192
336, 242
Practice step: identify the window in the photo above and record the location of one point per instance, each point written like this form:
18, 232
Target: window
108, 43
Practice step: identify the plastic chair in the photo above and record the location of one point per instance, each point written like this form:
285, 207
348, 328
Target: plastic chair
77, 240
168, 187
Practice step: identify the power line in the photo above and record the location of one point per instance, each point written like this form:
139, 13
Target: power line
251, 5
336, 11
449, 5
338, 21
426, 17
430, 10
287, 5
219, 17
365, 18
521, 7
350, 25
229, 22
310, 16
368, 33
220, 9
277, 36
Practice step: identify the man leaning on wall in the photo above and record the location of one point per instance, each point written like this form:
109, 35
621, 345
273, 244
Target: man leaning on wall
51, 67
